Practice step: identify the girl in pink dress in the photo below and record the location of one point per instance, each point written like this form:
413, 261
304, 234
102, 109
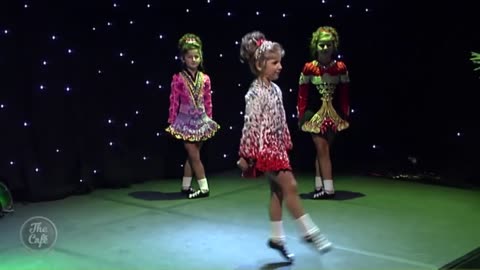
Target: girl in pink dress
190, 113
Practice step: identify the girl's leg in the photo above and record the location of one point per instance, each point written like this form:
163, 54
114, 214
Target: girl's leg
309, 229
325, 166
276, 201
288, 186
187, 169
193, 151
187, 178
277, 238
318, 176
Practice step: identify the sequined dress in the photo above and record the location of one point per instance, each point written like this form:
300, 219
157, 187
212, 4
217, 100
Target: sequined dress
328, 82
190, 112
265, 135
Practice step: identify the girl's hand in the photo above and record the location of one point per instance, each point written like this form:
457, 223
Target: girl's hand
242, 164
476, 59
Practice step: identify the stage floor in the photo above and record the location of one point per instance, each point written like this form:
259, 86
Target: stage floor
375, 223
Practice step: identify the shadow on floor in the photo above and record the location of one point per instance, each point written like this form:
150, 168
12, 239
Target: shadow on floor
157, 195
277, 265
267, 266
340, 195
470, 260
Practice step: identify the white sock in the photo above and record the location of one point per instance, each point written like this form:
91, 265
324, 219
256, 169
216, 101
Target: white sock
306, 225
329, 186
318, 182
278, 234
186, 182
203, 184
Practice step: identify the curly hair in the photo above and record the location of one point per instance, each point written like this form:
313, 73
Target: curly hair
320, 33
256, 49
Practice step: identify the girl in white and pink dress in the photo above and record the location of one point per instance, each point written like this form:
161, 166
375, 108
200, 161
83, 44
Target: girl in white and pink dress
266, 140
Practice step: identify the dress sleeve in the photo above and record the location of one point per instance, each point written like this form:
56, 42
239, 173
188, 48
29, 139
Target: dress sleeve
303, 87
251, 140
207, 96
287, 139
174, 99
343, 90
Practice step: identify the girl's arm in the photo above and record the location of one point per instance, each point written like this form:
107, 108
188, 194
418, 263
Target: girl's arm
174, 100
475, 58
303, 87
251, 140
344, 91
287, 140
344, 99
207, 96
